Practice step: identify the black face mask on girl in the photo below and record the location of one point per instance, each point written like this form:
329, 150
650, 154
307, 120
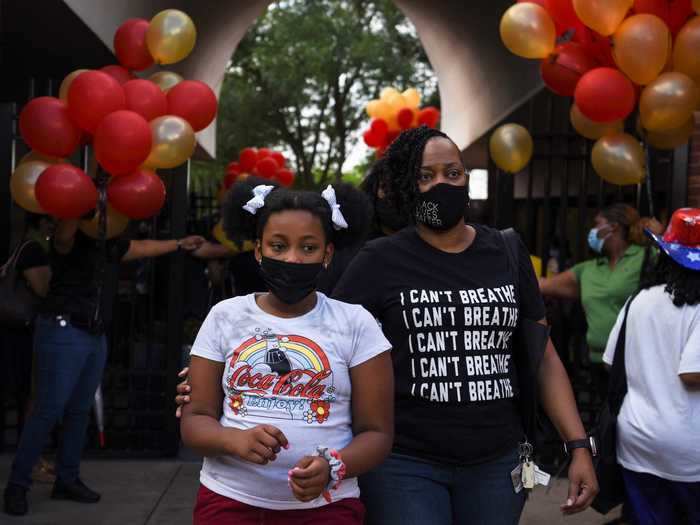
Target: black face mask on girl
442, 206
290, 282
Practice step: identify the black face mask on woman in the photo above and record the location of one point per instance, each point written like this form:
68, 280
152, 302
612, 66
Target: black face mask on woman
442, 206
290, 282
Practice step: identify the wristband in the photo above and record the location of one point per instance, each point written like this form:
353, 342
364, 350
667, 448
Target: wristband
179, 244
337, 469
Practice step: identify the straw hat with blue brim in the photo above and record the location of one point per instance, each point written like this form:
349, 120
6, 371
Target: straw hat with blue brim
681, 242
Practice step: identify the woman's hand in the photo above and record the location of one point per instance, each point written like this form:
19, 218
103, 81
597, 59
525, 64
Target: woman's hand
309, 478
183, 390
259, 445
583, 484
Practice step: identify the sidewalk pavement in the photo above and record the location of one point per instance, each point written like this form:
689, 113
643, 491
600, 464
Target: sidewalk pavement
162, 492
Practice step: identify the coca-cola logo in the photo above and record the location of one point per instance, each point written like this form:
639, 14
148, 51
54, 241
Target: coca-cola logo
296, 383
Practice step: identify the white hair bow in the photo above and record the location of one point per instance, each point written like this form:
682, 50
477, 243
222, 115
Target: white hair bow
337, 218
260, 193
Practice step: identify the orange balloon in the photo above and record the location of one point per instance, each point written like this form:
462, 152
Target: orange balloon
603, 16
686, 50
619, 159
668, 102
591, 129
696, 6
528, 31
641, 47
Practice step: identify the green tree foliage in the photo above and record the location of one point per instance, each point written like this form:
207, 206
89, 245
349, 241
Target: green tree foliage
301, 77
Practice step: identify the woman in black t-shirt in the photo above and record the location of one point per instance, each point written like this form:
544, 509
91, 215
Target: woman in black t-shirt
449, 304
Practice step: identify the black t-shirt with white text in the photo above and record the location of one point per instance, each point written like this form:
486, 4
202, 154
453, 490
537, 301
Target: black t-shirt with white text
450, 318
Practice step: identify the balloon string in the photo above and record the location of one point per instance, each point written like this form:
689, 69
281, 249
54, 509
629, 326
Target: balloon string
648, 180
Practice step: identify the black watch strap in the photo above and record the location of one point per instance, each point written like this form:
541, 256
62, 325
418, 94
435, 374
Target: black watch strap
588, 443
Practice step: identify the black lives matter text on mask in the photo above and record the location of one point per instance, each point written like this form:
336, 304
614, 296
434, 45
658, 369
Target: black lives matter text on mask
459, 343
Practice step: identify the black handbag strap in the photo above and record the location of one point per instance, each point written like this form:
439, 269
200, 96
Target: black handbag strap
617, 387
12, 261
512, 241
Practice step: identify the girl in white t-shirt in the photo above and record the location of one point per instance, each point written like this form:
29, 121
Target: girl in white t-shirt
658, 426
292, 392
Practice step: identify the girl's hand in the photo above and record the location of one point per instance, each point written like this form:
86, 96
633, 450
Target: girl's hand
258, 445
183, 392
309, 478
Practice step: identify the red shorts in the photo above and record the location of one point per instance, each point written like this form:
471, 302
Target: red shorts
214, 509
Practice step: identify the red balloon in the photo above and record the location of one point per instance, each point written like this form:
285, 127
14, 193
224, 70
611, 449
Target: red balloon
604, 95
562, 69
279, 159
233, 167
130, 45
380, 128
428, 116
230, 178
247, 158
194, 101
266, 168
118, 73
122, 142
65, 191
674, 12
45, 125
263, 153
564, 14
285, 177
371, 139
92, 96
145, 98
138, 196
405, 118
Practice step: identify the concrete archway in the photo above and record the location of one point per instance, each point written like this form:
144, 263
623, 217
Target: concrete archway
480, 81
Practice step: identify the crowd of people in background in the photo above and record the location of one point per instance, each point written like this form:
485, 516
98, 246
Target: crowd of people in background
410, 419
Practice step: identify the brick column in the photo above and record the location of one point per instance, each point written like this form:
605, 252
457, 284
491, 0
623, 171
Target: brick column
694, 166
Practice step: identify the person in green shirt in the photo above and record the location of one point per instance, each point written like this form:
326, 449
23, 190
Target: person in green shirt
603, 284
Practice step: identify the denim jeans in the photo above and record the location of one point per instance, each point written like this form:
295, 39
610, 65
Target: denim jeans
69, 366
409, 491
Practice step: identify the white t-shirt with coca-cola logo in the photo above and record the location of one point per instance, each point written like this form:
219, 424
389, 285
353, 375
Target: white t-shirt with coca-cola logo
290, 373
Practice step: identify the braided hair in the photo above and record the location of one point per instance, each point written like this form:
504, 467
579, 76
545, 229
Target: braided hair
682, 284
398, 169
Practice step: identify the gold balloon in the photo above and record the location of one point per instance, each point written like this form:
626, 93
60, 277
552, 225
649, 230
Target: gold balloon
686, 50
116, 224
696, 6
591, 129
668, 102
379, 109
511, 147
165, 80
412, 97
65, 85
619, 159
171, 36
388, 92
173, 142
35, 155
396, 102
528, 31
219, 234
22, 184
671, 139
603, 16
641, 47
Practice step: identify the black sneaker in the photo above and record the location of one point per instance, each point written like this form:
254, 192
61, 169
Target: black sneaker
16, 500
74, 491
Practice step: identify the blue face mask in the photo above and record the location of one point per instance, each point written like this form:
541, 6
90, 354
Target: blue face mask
596, 243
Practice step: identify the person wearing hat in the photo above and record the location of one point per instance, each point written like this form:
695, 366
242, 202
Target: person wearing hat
658, 428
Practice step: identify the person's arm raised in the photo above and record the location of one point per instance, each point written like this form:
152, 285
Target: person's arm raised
146, 248
562, 286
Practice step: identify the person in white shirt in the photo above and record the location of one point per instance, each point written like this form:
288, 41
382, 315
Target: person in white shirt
292, 392
659, 422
